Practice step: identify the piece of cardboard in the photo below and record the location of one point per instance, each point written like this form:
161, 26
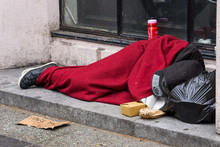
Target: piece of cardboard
41, 123
131, 108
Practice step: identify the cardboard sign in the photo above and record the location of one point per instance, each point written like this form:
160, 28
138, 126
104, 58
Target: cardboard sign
41, 123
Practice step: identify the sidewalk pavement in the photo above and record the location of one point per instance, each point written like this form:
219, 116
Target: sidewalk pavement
70, 135
166, 130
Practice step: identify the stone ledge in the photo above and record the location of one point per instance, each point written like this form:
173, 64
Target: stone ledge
166, 130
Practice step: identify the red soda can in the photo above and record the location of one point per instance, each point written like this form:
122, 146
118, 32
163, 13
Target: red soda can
152, 28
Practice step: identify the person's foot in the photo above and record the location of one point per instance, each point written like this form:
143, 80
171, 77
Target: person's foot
29, 76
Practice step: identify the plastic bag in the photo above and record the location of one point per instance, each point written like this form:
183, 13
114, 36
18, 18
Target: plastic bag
194, 100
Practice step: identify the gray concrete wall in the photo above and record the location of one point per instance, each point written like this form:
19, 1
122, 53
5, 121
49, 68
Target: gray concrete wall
75, 52
25, 37
25, 31
53, 14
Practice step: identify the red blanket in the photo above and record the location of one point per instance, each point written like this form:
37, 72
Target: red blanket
122, 77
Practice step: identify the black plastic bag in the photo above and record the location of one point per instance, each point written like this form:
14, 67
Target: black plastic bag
194, 100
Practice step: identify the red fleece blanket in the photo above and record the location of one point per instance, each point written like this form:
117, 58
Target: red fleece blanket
122, 77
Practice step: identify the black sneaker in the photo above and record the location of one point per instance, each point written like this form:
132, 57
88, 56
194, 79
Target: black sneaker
29, 76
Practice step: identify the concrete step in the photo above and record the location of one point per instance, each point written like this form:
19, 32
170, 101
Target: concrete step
167, 130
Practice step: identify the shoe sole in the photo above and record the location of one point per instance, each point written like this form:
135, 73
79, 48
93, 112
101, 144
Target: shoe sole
29, 69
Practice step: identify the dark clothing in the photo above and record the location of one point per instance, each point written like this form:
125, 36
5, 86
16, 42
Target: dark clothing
187, 64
